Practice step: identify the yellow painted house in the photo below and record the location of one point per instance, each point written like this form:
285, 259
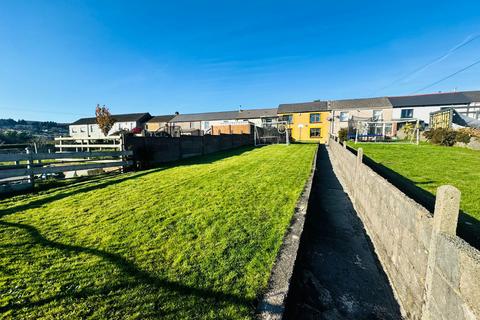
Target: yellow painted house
308, 121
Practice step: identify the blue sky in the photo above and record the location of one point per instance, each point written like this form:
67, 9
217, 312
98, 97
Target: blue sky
58, 59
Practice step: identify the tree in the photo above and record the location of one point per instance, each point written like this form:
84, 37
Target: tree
104, 119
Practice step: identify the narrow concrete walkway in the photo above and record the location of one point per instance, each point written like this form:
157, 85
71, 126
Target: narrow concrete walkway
337, 274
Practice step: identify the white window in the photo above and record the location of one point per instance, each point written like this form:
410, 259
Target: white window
406, 113
377, 115
343, 116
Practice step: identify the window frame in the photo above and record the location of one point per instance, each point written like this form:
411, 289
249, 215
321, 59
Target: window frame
288, 118
316, 136
314, 115
346, 113
410, 112
378, 117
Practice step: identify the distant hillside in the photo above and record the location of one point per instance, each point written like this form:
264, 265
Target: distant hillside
27, 131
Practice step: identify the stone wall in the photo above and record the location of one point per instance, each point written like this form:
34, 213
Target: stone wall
434, 273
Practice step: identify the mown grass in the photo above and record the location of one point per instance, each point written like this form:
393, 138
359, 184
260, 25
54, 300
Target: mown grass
197, 240
429, 166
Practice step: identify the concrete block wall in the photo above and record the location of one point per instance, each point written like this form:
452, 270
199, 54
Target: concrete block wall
434, 273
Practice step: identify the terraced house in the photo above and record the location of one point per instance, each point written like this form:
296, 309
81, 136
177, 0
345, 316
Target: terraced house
307, 121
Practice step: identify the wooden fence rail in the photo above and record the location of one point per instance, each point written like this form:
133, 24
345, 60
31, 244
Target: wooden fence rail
13, 174
88, 143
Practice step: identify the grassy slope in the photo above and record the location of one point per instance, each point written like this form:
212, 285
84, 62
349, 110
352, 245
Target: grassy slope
193, 241
430, 166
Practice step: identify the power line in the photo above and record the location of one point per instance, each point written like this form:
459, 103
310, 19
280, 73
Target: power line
432, 62
448, 77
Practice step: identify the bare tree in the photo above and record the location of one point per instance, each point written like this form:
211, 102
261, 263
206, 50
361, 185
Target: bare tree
104, 119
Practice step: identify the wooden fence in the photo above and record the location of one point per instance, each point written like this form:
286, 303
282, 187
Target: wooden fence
88, 144
18, 170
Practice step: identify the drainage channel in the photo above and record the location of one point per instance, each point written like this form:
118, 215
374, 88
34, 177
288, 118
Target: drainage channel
337, 274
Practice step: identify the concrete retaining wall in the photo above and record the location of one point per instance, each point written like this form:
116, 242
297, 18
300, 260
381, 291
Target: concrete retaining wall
152, 151
434, 273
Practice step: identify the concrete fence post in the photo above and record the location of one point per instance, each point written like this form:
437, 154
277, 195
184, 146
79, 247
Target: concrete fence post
445, 220
355, 176
345, 144
359, 157
447, 206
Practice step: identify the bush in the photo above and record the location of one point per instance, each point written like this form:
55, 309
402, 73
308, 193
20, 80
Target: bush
463, 136
441, 136
343, 134
428, 134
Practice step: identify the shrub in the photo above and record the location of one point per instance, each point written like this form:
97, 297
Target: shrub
463, 136
343, 134
441, 136
428, 134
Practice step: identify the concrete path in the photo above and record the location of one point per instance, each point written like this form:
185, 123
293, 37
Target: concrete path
337, 274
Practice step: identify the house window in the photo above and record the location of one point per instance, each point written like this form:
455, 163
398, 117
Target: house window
343, 116
377, 115
407, 113
315, 132
287, 117
267, 122
314, 117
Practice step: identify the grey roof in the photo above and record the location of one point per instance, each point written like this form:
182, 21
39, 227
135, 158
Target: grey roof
257, 113
303, 107
474, 96
366, 103
141, 117
436, 99
226, 115
164, 118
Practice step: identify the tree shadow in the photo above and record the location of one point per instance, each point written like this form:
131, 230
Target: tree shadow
207, 158
71, 190
128, 268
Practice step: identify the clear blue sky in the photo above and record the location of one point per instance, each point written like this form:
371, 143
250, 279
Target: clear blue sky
58, 59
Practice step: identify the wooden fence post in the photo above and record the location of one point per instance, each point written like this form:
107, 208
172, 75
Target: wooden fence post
31, 177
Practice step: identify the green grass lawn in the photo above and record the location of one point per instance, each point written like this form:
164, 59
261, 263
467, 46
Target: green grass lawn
196, 240
430, 166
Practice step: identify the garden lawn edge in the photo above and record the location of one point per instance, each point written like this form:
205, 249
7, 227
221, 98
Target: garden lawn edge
272, 303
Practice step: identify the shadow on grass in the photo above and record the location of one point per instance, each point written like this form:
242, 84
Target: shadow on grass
69, 190
468, 228
209, 158
127, 267
87, 185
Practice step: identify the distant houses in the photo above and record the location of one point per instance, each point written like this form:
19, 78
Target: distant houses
305, 121
202, 123
88, 128
308, 121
